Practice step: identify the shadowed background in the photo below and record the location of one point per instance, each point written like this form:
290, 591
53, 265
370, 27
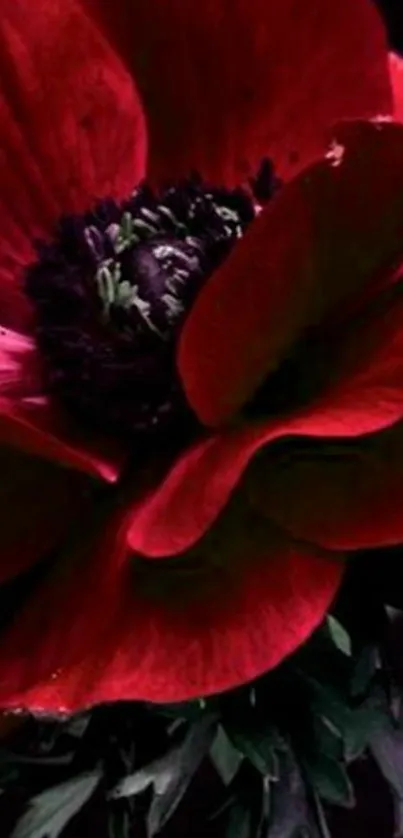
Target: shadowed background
393, 14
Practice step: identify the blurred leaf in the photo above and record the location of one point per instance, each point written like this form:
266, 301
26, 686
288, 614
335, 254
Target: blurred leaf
291, 814
190, 711
366, 720
239, 822
120, 823
330, 780
339, 635
170, 776
225, 757
327, 739
259, 747
328, 703
364, 670
50, 811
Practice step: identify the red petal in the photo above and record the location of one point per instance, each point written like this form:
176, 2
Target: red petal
38, 504
363, 394
72, 128
341, 497
396, 72
171, 638
31, 422
225, 84
328, 235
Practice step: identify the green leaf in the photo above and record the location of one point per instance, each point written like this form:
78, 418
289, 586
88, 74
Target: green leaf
190, 711
50, 811
170, 776
291, 815
339, 635
326, 701
225, 757
120, 823
331, 781
327, 738
364, 671
259, 747
366, 720
239, 822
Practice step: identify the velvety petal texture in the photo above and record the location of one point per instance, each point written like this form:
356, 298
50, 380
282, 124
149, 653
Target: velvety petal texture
226, 82
39, 505
241, 582
72, 130
342, 496
236, 606
333, 234
359, 392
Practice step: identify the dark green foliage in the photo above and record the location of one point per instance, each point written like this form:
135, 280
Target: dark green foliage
278, 747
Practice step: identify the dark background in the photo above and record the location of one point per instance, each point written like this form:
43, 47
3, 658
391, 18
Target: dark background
393, 14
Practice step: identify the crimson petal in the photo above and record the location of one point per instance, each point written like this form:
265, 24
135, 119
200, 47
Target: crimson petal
39, 502
363, 393
72, 130
171, 638
343, 497
227, 83
329, 235
396, 72
29, 420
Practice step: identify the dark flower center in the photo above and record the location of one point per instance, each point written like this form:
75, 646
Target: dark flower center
112, 290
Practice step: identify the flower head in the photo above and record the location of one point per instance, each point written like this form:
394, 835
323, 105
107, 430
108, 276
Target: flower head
201, 348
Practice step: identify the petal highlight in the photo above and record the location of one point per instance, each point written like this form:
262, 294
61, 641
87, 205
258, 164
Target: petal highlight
396, 73
362, 393
138, 638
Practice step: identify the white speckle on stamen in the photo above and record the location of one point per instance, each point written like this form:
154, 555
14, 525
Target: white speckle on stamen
152, 216
169, 214
144, 310
139, 224
113, 232
163, 251
181, 275
226, 214
174, 307
172, 284
335, 154
93, 239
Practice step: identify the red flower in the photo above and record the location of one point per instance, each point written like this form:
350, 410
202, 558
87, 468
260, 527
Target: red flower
293, 349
